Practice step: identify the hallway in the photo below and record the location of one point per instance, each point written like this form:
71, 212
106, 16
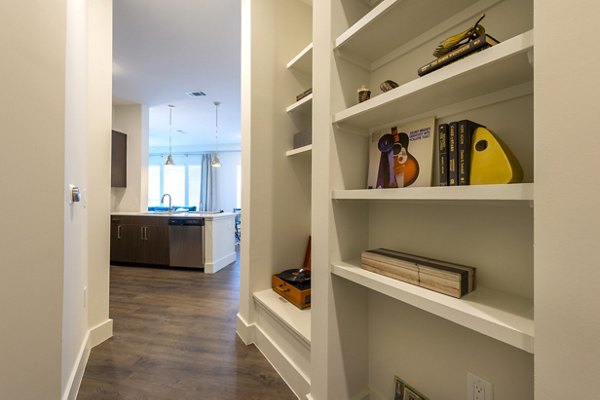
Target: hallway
174, 338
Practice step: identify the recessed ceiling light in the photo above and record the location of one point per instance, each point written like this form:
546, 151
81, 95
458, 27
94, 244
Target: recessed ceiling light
196, 94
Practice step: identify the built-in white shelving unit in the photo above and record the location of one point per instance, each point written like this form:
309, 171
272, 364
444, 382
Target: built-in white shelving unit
378, 36
298, 321
276, 68
480, 193
503, 66
489, 227
304, 150
304, 105
364, 329
504, 317
303, 61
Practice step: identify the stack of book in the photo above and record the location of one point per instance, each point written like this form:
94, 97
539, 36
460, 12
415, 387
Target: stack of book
448, 278
475, 45
303, 94
455, 152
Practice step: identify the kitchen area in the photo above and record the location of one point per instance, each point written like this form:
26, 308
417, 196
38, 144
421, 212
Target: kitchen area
200, 240
156, 223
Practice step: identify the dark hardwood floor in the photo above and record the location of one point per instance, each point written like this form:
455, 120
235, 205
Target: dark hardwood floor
174, 338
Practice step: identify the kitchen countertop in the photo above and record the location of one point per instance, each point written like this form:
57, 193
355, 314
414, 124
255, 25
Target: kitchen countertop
193, 214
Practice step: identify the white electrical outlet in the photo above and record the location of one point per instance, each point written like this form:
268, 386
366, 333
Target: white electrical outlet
479, 389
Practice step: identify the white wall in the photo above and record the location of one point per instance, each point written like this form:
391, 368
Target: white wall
32, 38
99, 100
434, 355
246, 125
227, 178
45, 249
132, 120
74, 324
567, 277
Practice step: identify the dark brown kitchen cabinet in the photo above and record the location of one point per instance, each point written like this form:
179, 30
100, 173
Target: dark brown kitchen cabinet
139, 240
125, 242
156, 250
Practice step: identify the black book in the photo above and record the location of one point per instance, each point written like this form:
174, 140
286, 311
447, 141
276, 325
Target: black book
453, 154
465, 133
480, 43
443, 150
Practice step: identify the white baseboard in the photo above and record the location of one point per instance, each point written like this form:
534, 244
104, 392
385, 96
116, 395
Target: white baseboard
76, 376
93, 337
101, 332
244, 330
212, 267
285, 367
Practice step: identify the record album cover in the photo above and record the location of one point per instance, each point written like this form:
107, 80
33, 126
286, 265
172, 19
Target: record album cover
402, 156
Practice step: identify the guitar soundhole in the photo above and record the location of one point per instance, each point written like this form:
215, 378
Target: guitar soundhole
481, 145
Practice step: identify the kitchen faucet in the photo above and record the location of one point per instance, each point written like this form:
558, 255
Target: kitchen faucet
162, 200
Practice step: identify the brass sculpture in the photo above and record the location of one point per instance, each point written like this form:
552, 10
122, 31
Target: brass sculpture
459, 39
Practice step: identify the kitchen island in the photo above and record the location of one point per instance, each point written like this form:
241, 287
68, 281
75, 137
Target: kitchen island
206, 240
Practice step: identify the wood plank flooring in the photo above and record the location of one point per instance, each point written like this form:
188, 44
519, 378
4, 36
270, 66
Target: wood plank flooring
174, 338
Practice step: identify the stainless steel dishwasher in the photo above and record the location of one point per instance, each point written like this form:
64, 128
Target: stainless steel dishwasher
186, 242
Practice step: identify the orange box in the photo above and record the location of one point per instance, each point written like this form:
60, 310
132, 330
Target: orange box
299, 298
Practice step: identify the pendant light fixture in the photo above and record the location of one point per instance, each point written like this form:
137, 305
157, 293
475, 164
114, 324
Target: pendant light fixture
170, 156
216, 163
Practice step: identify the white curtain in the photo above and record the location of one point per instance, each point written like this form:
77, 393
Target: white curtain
208, 185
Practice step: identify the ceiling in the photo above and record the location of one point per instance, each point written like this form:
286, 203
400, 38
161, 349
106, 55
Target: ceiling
163, 49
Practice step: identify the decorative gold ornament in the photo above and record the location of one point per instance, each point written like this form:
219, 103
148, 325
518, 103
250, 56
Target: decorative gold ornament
459, 39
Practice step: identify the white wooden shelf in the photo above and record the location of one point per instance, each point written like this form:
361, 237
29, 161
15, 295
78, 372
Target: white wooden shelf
502, 316
304, 105
510, 192
500, 67
394, 23
298, 321
303, 61
306, 150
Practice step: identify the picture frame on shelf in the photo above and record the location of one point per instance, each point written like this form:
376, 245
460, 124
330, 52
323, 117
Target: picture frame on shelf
403, 391
402, 156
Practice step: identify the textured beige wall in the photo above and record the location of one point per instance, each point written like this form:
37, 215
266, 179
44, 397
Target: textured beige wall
99, 148
567, 80
434, 355
74, 322
32, 113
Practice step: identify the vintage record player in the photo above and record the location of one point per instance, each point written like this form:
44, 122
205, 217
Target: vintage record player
294, 284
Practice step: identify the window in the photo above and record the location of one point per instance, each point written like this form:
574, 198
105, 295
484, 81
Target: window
174, 183
181, 181
238, 186
194, 177
154, 191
